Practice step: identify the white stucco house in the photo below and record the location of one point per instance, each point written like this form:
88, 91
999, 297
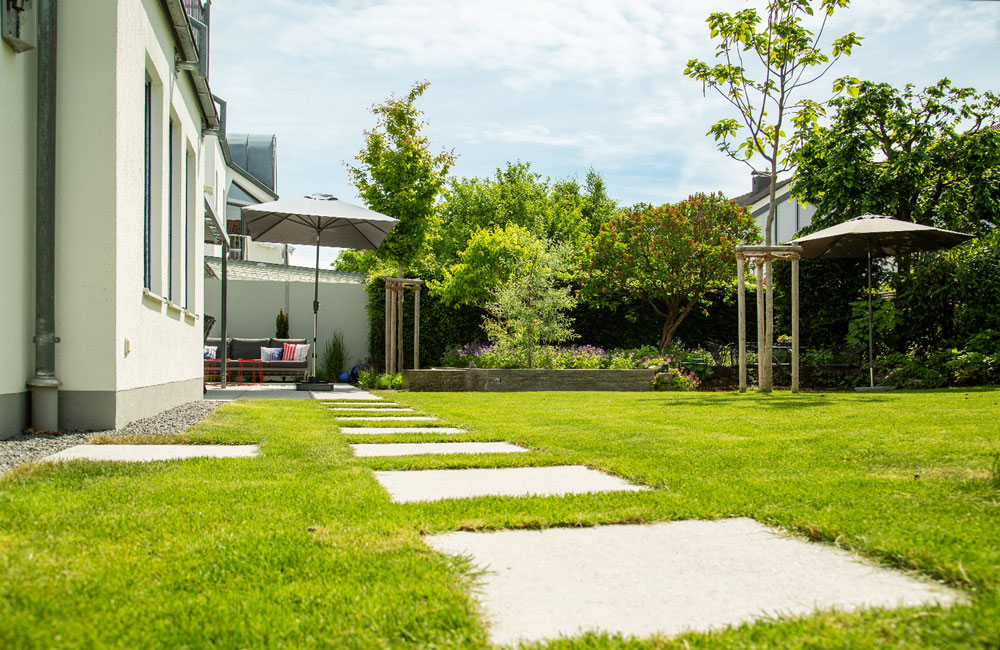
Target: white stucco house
140, 184
791, 215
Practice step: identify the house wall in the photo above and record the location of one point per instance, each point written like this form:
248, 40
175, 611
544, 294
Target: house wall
254, 304
157, 335
85, 211
791, 217
104, 50
17, 244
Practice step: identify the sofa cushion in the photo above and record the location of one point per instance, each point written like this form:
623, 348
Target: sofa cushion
246, 348
270, 354
277, 343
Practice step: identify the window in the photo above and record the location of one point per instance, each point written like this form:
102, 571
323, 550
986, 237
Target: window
171, 202
190, 210
147, 229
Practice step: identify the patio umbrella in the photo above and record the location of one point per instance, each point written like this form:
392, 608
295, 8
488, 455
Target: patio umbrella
875, 235
317, 220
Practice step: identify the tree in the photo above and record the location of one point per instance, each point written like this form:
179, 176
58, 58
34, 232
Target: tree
399, 176
491, 257
669, 256
788, 57
927, 157
529, 307
557, 211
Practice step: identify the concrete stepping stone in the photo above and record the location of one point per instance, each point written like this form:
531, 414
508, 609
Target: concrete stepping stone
416, 448
372, 410
387, 418
147, 453
668, 578
345, 392
366, 431
433, 485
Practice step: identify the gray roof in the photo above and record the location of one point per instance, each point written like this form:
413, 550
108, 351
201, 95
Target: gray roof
239, 196
239, 270
257, 155
752, 197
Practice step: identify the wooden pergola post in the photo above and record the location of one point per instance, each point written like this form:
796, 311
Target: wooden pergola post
758, 255
741, 301
795, 324
416, 328
395, 292
387, 329
760, 323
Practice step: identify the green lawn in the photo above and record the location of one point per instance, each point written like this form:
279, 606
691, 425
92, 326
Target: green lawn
302, 548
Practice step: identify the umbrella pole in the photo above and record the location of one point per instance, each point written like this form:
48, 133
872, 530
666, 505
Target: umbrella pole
871, 355
315, 308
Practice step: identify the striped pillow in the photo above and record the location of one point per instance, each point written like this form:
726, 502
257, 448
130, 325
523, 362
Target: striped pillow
288, 352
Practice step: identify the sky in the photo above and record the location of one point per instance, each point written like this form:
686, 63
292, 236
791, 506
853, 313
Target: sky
564, 85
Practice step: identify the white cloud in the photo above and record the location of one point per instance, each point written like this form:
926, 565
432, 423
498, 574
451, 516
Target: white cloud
562, 83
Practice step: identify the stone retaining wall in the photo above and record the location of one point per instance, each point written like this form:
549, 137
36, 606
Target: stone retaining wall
510, 380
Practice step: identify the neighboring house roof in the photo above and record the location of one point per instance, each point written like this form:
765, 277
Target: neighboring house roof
248, 187
263, 271
750, 198
255, 156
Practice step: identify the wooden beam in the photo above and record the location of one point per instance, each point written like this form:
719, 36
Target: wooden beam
741, 301
795, 325
416, 329
399, 330
760, 324
388, 314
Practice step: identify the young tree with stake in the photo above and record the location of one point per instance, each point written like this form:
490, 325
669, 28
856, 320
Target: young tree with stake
786, 57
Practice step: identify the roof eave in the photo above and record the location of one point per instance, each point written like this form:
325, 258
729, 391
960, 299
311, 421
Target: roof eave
246, 176
185, 40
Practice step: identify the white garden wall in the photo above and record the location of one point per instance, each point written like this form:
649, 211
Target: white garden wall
254, 304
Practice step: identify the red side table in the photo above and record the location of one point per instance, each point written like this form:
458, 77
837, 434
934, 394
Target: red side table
256, 369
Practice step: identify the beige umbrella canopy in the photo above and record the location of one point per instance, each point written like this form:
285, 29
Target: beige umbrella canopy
317, 220
874, 235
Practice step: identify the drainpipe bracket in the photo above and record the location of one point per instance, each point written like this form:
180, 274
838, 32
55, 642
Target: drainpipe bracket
54, 339
44, 381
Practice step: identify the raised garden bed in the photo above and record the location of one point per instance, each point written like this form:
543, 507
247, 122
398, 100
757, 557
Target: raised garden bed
514, 380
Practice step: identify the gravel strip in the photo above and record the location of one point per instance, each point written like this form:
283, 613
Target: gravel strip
24, 447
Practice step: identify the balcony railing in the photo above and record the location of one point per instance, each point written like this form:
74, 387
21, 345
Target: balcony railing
195, 9
200, 18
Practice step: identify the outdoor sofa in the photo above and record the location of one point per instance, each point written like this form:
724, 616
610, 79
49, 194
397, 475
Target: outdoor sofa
250, 349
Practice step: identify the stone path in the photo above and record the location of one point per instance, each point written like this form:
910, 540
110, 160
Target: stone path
386, 418
634, 580
147, 453
416, 448
433, 485
668, 578
369, 409
373, 431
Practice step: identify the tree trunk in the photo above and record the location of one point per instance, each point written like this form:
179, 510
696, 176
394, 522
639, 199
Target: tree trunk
765, 351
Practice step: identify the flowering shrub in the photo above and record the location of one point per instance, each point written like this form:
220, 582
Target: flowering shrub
482, 355
672, 373
675, 379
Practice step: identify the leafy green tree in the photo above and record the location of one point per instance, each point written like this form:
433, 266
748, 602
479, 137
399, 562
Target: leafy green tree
491, 257
927, 157
786, 57
668, 256
399, 176
561, 211
529, 307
